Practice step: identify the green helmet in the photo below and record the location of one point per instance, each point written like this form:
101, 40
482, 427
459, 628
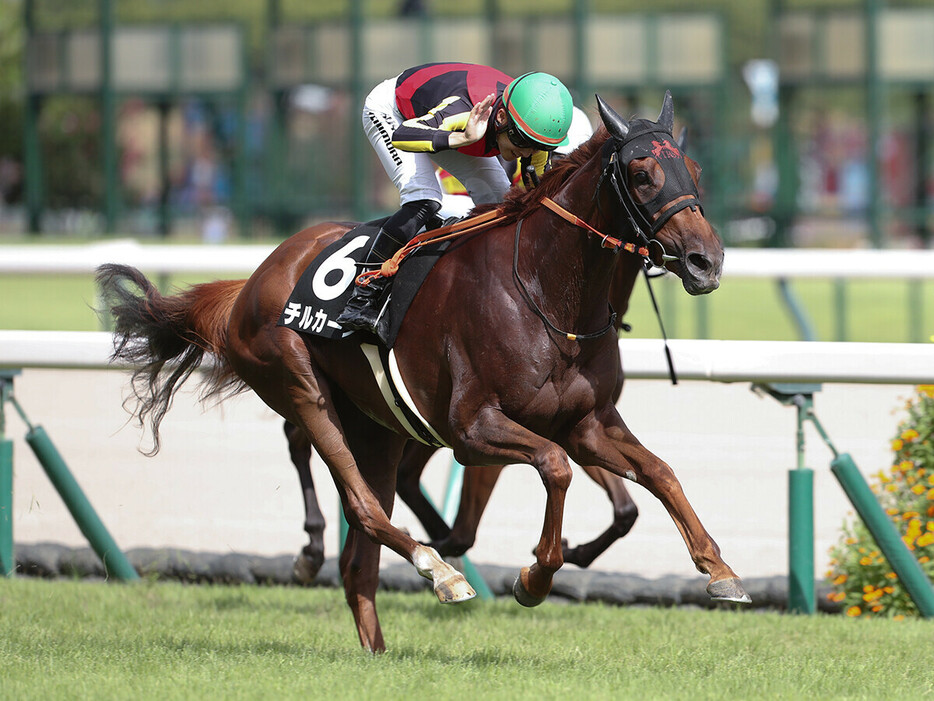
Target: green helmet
541, 108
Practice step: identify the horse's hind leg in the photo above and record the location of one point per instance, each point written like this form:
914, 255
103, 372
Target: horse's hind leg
311, 557
297, 390
377, 452
625, 514
359, 566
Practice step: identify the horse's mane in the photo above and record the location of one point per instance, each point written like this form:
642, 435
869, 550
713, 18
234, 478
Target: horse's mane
518, 201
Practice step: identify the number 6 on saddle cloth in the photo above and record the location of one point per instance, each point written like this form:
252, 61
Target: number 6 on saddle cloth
323, 290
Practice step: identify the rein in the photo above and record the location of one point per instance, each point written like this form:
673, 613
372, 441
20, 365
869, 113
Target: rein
632, 212
608, 241
390, 266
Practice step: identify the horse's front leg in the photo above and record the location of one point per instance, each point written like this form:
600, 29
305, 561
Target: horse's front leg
408, 486
610, 444
476, 490
493, 436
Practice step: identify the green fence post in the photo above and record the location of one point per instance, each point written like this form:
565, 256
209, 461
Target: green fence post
801, 594
886, 535
7, 561
7, 555
115, 562
344, 528
802, 597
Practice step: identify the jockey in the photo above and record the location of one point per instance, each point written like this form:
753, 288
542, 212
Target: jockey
458, 116
456, 201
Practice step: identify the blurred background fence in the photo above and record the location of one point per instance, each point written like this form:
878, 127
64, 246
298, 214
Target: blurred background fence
240, 118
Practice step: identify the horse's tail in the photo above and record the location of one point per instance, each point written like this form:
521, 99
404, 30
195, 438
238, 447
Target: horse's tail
151, 330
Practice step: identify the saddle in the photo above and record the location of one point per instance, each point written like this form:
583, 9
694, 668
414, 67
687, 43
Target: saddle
326, 285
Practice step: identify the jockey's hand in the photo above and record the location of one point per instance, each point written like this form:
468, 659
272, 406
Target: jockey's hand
477, 122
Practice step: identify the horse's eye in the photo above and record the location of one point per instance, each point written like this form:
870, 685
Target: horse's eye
642, 178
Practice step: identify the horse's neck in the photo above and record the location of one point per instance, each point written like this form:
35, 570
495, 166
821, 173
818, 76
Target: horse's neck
624, 280
575, 273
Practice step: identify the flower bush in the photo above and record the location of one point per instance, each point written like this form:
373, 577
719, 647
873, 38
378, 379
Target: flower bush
862, 579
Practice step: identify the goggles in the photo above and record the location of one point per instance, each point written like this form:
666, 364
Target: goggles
520, 140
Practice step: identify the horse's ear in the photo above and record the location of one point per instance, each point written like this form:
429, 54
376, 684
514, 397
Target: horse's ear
683, 140
666, 117
616, 125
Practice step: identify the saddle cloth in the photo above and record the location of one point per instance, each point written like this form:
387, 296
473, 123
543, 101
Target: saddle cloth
323, 289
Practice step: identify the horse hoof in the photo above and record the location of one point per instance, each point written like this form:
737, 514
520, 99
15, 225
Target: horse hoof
305, 569
453, 590
728, 590
522, 595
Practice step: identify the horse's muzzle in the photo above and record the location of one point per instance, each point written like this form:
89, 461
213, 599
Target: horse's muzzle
701, 272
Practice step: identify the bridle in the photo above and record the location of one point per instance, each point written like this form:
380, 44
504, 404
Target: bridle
678, 192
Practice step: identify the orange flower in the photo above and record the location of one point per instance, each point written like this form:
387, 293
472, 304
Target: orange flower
891, 575
925, 540
853, 611
924, 559
930, 491
865, 561
919, 489
836, 596
897, 444
868, 588
839, 580
927, 390
909, 435
876, 608
899, 617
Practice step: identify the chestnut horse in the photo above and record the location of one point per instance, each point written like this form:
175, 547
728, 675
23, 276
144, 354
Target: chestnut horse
477, 485
476, 489
507, 353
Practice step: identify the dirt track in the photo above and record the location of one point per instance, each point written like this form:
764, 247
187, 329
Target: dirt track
223, 481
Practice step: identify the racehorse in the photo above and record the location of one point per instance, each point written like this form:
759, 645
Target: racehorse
476, 489
506, 352
477, 486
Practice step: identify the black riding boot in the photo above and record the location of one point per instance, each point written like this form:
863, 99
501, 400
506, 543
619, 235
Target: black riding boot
364, 307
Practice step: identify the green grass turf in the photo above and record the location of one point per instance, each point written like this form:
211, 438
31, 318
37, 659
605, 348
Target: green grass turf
70, 639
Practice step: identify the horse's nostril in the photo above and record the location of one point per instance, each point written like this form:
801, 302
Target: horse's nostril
699, 261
